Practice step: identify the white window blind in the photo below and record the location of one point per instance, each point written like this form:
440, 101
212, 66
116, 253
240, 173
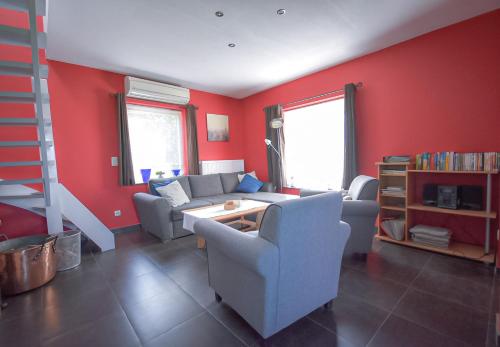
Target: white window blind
155, 139
314, 145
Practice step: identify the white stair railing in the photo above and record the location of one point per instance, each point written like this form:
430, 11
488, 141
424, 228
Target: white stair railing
54, 200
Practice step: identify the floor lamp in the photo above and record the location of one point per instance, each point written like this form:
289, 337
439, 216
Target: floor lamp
276, 123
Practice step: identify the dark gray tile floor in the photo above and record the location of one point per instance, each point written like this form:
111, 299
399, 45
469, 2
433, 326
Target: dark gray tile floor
153, 294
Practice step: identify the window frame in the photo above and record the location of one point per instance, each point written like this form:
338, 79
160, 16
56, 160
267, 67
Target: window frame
307, 103
173, 107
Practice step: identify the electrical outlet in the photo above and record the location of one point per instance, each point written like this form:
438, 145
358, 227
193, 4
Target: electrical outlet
118, 213
114, 161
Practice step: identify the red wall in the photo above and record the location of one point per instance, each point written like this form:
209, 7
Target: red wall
440, 91
437, 92
85, 133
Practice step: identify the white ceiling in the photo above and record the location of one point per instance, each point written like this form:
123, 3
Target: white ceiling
183, 42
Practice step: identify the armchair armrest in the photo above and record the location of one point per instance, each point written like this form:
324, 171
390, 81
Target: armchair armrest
360, 208
267, 187
254, 253
154, 214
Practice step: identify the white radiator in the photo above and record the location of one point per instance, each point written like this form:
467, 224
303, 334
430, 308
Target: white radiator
221, 166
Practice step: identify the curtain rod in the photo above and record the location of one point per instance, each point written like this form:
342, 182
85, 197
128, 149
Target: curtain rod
358, 85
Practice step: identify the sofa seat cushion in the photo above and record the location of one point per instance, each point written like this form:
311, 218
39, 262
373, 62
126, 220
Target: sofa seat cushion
220, 199
195, 203
270, 197
205, 185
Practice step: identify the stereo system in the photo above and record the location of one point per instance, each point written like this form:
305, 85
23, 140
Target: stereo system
453, 197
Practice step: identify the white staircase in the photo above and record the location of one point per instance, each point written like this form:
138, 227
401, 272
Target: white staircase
54, 201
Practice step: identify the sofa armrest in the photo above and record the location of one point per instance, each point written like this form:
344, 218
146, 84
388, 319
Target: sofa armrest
154, 214
267, 187
311, 192
360, 208
253, 253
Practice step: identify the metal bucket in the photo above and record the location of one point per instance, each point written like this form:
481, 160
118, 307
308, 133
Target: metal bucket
69, 250
29, 262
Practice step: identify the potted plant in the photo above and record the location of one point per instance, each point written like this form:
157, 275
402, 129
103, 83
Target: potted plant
160, 173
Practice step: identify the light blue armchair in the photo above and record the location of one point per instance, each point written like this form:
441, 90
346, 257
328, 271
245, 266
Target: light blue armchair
285, 271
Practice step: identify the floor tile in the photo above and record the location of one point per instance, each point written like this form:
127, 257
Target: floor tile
58, 319
463, 268
132, 290
303, 333
154, 316
234, 322
378, 265
371, 289
351, 319
21, 304
398, 332
446, 317
464, 291
404, 255
171, 256
202, 331
107, 331
138, 265
22, 331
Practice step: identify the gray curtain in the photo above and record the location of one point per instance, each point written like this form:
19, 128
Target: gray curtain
350, 143
275, 164
192, 141
125, 160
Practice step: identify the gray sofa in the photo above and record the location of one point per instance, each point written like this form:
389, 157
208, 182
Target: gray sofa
360, 213
287, 269
159, 218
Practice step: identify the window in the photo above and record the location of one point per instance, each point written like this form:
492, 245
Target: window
314, 145
155, 139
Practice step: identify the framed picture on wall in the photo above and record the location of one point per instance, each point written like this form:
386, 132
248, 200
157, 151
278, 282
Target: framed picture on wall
217, 127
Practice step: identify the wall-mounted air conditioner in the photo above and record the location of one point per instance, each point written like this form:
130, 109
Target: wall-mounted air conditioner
150, 90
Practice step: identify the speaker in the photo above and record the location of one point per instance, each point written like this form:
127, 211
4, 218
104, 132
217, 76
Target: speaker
448, 197
471, 197
430, 195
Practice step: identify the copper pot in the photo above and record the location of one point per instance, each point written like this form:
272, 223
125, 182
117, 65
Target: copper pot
28, 262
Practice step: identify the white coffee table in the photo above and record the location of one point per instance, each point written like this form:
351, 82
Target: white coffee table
228, 217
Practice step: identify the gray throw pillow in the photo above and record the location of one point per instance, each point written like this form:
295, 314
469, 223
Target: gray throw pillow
173, 192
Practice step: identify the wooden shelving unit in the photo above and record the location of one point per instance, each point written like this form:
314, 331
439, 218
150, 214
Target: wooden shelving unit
392, 206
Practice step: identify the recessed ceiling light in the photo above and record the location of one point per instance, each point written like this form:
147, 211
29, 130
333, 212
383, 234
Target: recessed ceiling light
219, 14
281, 11
231, 45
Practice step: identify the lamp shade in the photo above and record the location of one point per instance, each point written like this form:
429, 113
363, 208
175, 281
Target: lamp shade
276, 123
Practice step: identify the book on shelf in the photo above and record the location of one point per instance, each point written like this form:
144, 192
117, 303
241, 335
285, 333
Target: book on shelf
453, 161
392, 172
396, 159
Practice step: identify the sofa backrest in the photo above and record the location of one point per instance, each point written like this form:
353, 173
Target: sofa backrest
363, 188
230, 181
205, 185
183, 180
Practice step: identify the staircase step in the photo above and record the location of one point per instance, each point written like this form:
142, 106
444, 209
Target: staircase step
20, 163
22, 6
18, 121
25, 196
17, 97
20, 37
24, 181
19, 143
14, 68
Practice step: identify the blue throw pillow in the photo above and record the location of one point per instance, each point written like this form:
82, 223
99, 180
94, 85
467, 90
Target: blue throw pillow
249, 184
158, 185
